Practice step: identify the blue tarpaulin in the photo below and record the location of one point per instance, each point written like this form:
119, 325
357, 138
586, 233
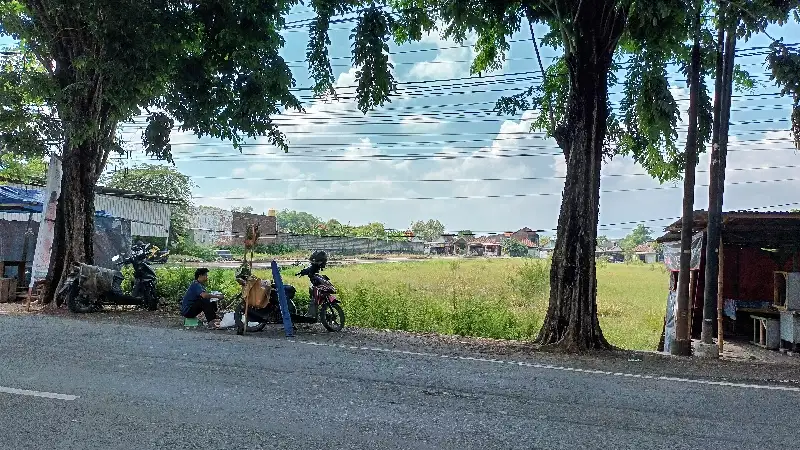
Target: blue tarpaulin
22, 200
15, 199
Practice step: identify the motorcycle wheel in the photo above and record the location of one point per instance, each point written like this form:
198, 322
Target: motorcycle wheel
151, 300
241, 325
332, 317
74, 302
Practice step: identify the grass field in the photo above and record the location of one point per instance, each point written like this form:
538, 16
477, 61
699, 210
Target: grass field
501, 298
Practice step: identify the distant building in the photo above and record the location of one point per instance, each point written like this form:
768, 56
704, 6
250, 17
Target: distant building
212, 226
647, 253
611, 252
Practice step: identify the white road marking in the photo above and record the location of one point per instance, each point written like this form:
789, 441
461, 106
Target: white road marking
14, 391
561, 368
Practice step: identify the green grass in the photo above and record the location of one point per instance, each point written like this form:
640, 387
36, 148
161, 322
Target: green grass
502, 298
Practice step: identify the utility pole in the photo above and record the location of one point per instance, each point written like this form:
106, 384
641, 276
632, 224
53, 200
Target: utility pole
722, 105
683, 342
44, 240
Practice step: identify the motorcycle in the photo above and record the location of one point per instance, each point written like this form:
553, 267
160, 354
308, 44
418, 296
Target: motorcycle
258, 318
157, 255
88, 288
323, 305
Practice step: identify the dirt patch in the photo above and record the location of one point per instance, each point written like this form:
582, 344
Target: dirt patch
739, 364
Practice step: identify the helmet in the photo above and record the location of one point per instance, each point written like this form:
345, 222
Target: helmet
319, 258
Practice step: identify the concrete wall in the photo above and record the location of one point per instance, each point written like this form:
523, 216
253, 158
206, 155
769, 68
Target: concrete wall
215, 226
267, 225
210, 226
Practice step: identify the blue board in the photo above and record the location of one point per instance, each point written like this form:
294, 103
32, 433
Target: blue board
287, 317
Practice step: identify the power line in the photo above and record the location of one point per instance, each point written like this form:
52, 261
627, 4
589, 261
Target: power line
461, 180
439, 156
474, 197
487, 153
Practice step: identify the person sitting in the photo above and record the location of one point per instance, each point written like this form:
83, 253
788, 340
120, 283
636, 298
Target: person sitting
197, 300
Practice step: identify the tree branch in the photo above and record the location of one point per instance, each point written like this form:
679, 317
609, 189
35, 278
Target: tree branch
552, 118
743, 9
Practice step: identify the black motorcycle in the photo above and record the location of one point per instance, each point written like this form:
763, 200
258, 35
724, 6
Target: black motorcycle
157, 255
323, 305
258, 318
88, 288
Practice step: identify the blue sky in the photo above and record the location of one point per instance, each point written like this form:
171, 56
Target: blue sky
431, 116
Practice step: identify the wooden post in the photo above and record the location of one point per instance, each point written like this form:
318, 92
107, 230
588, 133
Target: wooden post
720, 297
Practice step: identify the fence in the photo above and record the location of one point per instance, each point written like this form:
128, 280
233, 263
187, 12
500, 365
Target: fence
349, 246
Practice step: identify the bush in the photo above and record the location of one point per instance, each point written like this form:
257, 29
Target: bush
200, 252
173, 282
532, 282
514, 248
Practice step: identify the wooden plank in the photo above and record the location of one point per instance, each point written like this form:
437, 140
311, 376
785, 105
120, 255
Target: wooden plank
5, 284
720, 297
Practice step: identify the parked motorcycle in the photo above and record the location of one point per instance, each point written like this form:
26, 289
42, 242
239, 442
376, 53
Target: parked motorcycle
323, 304
88, 288
258, 318
157, 256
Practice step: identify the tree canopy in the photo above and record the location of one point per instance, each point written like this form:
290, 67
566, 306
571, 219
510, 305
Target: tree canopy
161, 181
429, 230
515, 248
15, 167
638, 236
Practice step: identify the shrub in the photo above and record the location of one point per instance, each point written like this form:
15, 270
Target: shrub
532, 282
200, 252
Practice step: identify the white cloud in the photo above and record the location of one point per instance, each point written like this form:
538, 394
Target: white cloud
453, 60
421, 123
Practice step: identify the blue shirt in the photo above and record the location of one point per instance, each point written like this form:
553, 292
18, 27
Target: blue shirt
192, 295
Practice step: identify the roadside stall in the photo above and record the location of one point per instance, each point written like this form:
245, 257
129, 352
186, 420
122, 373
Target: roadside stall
759, 277
17, 238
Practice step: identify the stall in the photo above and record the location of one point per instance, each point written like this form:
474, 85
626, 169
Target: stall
112, 236
17, 240
759, 277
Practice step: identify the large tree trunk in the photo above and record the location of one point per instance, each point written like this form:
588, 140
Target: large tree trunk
571, 322
716, 186
74, 227
683, 329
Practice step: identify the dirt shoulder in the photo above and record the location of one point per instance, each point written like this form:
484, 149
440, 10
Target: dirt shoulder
743, 366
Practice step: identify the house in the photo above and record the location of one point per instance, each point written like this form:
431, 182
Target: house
485, 246
526, 236
647, 253
611, 252
212, 226
547, 250
442, 247
758, 252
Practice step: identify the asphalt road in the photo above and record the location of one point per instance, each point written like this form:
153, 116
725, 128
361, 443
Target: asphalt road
148, 388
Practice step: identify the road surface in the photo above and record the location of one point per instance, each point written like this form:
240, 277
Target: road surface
70, 384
